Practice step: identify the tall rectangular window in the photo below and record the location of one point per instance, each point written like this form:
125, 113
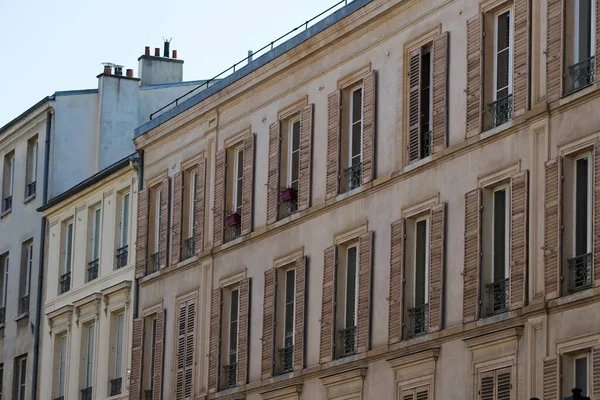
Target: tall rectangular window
95, 232
62, 363
426, 88
191, 203
290, 296
500, 235
68, 250
233, 325
157, 220
421, 263
238, 179
26, 267
124, 220
294, 154
581, 374
21, 378
89, 355
120, 322
4, 276
32, 165
583, 206
351, 303
585, 22
346, 299
188, 224
356, 127
502, 55
8, 181
149, 354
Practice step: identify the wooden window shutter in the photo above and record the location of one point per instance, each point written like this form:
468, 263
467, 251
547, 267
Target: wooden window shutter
328, 305
137, 355
474, 75
164, 222
595, 372
365, 269
597, 44
554, 50
248, 184
177, 216
472, 267
440, 91
396, 303
159, 355
521, 58
436, 269
305, 162
190, 329
243, 332
199, 211
300, 312
215, 339
519, 195
268, 330
421, 393
552, 228
218, 213
369, 126
486, 385
273, 175
596, 212
551, 377
141, 240
333, 145
414, 106
503, 384
181, 331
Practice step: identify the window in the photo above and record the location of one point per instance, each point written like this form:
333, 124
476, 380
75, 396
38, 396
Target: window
122, 254
1, 379
189, 211
238, 180
21, 378
67, 262
284, 341
32, 165
60, 362
8, 181
26, 268
95, 229
230, 336
352, 137
289, 165
155, 224
420, 119
116, 356
185, 349
347, 299
496, 385
576, 372
580, 375
580, 46
4, 285
417, 275
150, 352
87, 366
235, 182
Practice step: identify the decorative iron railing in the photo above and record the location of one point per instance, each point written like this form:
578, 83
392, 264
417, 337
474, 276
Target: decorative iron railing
498, 295
581, 74
24, 304
290, 207
122, 255
65, 282
2, 315
502, 110
286, 359
86, 394
580, 272
31, 188
116, 386
155, 261
418, 321
232, 230
347, 341
426, 144
189, 245
92, 269
58, 398
148, 394
7, 203
353, 176
229, 375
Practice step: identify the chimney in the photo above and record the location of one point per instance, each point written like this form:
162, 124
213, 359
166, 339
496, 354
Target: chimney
250, 53
174, 54
147, 51
118, 70
166, 51
157, 69
157, 52
107, 70
129, 72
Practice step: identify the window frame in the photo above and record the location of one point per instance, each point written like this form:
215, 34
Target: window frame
119, 343
589, 211
124, 219
68, 258
352, 90
192, 176
157, 218
506, 188
285, 306
509, 88
237, 152
427, 257
22, 378
90, 353
427, 48
32, 159
6, 259
290, 167
28, 266
62, 365
96, 232
576, 27
354, 245
576, 357
11, 178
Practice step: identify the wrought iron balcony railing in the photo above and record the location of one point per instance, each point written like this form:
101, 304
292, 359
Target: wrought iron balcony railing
58, 398
347, 341
418, 321
353, 176
7, 203
286, 359
24, 304
580, 272
233, 229
31, 187
148, 394
86, 394
498, 295
155, 261
229, 375
426, 144
92, 270
116, 386
290, 207
122, 255
2, 315
189, 245
581, 74
65, 282
502, 110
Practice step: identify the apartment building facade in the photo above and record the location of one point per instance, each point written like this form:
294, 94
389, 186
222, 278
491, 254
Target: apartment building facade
399, 202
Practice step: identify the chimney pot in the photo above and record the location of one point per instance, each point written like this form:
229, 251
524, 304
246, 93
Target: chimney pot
129, 72
147, 51
157, 52
174, 54
107, 70
166, 50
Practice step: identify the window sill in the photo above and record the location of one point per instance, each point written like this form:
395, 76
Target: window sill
2, 326
22, 316
5, 213
28, 199
567, 98
418, 164
496, 130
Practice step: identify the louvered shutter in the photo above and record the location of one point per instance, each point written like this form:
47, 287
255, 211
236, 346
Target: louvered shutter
552, 228
328, 305
273, 175
199, 211
159, 355
440, 92
300, 312
369, 126
421, 393
414, 106
218, 213
474, 75
551, 378
333, 145
268, 329
177, 215
596, 372
436, 269
521, 58
396, 303
248, 184
141, 240
554, 50
365, 269
596, 213
243, 332
503, 384
519, 189
215, 339
189, 348
472, 266
137, 355
486, 385
305, 162
181, 348
164, 222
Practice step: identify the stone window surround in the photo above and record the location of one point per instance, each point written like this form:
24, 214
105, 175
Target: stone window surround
415, 370
346, 385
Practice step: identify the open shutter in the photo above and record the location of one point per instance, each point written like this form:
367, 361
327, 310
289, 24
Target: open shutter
141, 240
243, 332
181, 333
333, 145
137, 355
551, 378
214, 340
521, 58
596, 372
248, 184
190, 329
596, 213
273, 176
369, 125
268, 330
552, 228
440, 92
328, 305
472, 267
300, 313
474, 75
519, 189
436, 269
164, 222
199, 211
305, 162
365, 269
414, 106
177, 215
218, 213
159, 355
554, 50
396, 304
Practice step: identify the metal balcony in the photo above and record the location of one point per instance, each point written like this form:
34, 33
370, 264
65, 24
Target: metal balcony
347, 341
122, 255
498, 295
353, 176
502, 110
229, 375
417, 321
116, 386
65, 282
31, 188
155, 261
92, 270
7, 203
426, 144
189, 246
148, 394
581, 74
232, 226
2, 315
580, 272
86, 394
24, 304
286, 359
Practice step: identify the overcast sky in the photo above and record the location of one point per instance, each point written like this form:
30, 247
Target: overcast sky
59, 45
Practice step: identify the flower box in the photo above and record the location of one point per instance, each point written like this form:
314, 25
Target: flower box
233, 219
288, 194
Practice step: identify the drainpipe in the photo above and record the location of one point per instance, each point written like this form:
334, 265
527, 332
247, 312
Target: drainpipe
38, 314
140, 177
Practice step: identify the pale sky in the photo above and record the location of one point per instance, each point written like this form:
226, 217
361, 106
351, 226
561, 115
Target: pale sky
47, 46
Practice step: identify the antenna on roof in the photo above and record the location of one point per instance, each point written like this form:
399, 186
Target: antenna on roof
167, 45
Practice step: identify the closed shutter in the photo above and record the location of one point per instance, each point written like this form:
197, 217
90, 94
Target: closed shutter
440, 91
519, 189
551, 378
164, 222
597, 34
474, 75
369, 126
273, 175
214, 340
552, 228
596, 213
300, 312
521, 58
218, 213
200, 197
495, 385
596, 373
177, 215
248, 184
159, 355
486, 386
414, 106
141, 240
421, 393
436, 269
333, 144
396, 304
554, 50
503, 384
268, 329
181, 332
305, 163
185, 350
137, 355
243, 332
472, 267
365, 269
328, 305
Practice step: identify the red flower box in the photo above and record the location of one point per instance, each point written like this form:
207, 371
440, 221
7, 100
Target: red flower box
233, 219
288, 194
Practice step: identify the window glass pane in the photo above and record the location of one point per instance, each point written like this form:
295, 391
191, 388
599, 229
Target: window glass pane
420, 263
290, 284
356, 105
63, 361
119, 350
239, 183
69, 247
295, 159
581, 207
153, 353
499, 234
351, 288
233, 330
125, 221
192, 205
584, 29
22, 378
90, 356
96, 237
425, 92
502, 55
581, 374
